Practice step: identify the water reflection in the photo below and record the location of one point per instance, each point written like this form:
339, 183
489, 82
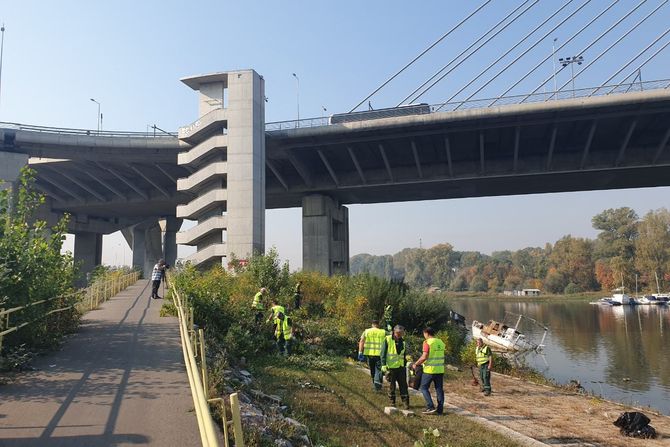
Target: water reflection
620, 352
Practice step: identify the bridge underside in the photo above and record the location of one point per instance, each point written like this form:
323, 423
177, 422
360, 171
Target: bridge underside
566, 146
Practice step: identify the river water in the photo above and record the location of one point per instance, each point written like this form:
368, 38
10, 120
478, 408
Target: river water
620, 353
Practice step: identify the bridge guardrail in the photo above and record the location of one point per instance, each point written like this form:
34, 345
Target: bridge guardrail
87, 299
499, 101
193, 347
85, 132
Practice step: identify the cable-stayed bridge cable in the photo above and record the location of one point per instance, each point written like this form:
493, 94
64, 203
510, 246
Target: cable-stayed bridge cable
454, 28
537, 42
492, 64
483, 36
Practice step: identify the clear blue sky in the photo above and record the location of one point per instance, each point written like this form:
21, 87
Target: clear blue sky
130, 55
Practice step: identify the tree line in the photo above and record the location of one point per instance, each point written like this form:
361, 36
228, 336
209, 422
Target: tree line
627, 249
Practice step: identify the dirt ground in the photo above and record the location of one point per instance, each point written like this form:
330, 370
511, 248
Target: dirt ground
550, 415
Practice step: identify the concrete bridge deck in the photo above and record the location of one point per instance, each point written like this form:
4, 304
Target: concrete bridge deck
119, 381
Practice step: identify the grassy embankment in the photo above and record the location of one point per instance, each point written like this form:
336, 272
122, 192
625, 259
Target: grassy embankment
340, 408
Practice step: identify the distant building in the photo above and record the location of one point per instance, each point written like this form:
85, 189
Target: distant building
530, 292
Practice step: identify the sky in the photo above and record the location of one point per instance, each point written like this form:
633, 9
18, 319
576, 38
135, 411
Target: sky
130, 55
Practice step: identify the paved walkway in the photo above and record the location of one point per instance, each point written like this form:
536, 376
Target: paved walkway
119, 381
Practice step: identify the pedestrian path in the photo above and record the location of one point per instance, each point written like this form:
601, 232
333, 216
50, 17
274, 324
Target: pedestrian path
119, 381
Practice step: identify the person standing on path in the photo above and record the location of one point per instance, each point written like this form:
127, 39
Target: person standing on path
157, 275
394, 364
370, 346
297, 295
258, 305
432, 360
484, 360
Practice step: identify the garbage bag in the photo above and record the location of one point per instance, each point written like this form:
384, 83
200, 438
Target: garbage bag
635, 424
414, 379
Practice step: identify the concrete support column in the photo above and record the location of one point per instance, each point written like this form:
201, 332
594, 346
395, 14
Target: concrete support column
10, 168
325, 236
171, 226
153, 249
87, 254
138, 247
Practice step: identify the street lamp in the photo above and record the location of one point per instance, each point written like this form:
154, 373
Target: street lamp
297, 96
553, 61
99, 115
571, 61
2, 50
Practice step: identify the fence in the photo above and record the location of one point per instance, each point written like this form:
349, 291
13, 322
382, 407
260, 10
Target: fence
193, 346
87, 299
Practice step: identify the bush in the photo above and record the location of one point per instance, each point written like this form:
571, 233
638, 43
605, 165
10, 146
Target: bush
572, 288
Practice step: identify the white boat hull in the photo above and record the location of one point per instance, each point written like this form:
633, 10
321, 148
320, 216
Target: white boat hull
512, 341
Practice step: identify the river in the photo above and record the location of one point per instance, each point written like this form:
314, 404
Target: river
620, 353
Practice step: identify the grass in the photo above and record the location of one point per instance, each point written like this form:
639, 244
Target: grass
340, 409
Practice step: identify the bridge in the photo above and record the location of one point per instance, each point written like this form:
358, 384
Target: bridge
590, 139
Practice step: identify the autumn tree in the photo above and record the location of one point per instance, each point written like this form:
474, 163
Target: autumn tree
652, 246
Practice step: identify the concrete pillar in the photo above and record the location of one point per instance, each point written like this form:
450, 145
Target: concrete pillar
171, 226
10, 168
153, 248
139, 244
325, 235
87, 254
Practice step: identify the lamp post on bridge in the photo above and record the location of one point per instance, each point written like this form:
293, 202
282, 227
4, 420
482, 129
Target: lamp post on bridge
571, 61
99, 115
297, 96
2, 50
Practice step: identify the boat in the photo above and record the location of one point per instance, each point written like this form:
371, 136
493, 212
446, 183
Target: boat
622, 298
650, 299
503, 338
606, 301
664, 298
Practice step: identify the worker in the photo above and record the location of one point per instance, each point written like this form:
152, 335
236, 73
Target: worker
370, 346
297, 295
283, 333
484, 360
432, 360
258, 304
394, 364
275, 310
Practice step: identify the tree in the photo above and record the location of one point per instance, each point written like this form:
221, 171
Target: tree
479, 284
572, 258
618, 231
652, 246
554, 281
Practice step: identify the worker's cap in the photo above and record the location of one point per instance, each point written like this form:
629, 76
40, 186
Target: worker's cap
398, 328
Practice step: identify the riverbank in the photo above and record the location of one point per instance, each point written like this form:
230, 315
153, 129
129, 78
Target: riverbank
340, 409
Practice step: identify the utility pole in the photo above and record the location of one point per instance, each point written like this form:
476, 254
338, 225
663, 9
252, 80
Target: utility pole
553, 61
2, 50
297, 96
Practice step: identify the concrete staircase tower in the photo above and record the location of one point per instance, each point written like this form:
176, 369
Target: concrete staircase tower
225, 150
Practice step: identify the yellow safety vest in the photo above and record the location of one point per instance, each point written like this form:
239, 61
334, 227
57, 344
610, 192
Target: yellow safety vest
435, 362
394, 359
482, 354
276, 309
282, 327
258, 301
374, 337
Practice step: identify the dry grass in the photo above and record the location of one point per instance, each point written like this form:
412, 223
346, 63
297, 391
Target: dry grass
340, 409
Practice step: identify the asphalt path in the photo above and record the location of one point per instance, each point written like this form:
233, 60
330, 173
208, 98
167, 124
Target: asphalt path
120, 381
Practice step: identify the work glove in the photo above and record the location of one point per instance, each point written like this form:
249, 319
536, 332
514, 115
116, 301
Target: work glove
361, 357
385, 369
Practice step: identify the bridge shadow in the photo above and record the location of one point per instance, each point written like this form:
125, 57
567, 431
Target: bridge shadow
77, 441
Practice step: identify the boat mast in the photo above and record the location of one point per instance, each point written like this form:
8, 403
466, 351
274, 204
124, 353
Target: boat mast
518, 322
658, 289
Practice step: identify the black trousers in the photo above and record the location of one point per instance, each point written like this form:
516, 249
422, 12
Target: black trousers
375, 365
399, 376
155, 285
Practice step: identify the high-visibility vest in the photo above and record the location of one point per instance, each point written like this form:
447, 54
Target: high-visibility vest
258, 301
374, 337
282, 327
394, 359
434, 364
276, 309
482, 354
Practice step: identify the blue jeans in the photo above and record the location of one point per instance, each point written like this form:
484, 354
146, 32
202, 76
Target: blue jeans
375, 364
438, 380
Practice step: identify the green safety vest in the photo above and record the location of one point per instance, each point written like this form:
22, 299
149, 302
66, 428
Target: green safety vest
276, 309
374, 337
282, 327
434, 364
258, 302
482, 355
394, 359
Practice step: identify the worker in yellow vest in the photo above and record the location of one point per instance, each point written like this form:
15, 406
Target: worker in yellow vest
275, 309
432, 360
394, 364
370, 347
484, 360
258, 306
283, 333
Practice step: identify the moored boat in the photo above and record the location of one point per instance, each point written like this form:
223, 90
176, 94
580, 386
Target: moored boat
501, 337
650, 299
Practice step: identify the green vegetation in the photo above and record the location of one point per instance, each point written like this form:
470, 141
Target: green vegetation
625, 247
32, 269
